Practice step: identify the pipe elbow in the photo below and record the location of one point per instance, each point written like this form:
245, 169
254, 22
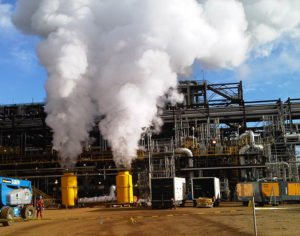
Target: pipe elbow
185, 151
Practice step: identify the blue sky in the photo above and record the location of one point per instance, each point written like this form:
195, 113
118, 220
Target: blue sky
22, 78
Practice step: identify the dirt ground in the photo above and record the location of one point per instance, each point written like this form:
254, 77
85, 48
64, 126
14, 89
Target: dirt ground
228, 219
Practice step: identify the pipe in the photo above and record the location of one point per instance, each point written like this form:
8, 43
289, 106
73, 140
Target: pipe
56, 176
189, 154
185, 151
243, 135
224, 167
112, 191
106, 198
292, 135
244, 149
279, 163
247, 147
249, 133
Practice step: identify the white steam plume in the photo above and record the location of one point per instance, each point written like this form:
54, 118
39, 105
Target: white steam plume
268, 19
120, 60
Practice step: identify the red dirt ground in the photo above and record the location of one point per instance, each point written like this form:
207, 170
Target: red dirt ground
228, 219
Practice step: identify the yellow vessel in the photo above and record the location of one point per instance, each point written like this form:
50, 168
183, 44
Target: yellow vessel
124, 187
69, 189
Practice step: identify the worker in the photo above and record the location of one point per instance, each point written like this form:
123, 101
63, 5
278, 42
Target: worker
173, 203
40, 207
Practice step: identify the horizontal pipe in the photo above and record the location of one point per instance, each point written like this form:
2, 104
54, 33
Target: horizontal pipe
83, 168
224, 167
57, 176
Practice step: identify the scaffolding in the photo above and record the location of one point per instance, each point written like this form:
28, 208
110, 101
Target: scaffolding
211, 123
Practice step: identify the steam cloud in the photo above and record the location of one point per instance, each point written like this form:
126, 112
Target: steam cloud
120, 60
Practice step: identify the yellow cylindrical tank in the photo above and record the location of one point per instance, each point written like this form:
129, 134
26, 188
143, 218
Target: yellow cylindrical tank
124, 187
69, 189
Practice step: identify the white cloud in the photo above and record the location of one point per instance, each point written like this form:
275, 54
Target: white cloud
5, 16
295, 33
244, 71
264, 33
289, 62
263, 50
284, 84
16, 48
26, 59
269, 20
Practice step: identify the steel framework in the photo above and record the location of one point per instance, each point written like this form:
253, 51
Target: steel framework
209, 123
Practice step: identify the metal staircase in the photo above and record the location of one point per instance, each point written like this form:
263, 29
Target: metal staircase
49, 201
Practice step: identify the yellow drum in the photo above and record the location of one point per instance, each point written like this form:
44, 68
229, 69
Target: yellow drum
124, 187
69, 189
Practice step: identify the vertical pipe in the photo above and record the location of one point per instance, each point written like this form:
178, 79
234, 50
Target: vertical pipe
254, 216
149, 156
193, 128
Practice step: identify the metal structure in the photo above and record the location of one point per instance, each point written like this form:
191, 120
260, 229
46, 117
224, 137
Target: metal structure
214, 123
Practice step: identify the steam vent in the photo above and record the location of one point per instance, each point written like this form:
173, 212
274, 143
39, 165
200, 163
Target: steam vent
149, 117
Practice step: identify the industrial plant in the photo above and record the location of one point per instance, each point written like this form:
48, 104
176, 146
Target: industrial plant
149, 117
213, 133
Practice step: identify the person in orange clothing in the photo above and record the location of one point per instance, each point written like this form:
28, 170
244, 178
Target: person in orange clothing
40, 207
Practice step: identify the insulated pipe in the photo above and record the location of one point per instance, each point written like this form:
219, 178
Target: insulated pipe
189, 154
246, 148
107, 198
112, 191
252, 142
250, 133
242, 151
185, 151
292, 135
243, 135
251, 136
